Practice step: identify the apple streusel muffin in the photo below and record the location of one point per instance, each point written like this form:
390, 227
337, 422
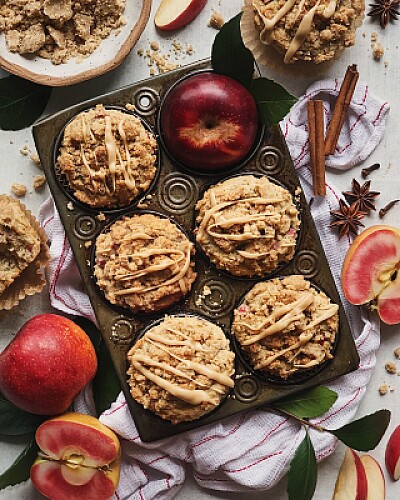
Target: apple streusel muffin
181, 369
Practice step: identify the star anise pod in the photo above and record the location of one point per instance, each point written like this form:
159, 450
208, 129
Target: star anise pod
361, 196
386, 10
347, 218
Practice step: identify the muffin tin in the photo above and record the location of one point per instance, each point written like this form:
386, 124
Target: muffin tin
174, 194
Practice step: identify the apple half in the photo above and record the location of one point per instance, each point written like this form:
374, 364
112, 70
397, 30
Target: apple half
371, 271
375, 478
175, 14
351, 483
79, 459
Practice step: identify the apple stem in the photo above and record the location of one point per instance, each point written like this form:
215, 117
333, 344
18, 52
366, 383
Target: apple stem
303, 421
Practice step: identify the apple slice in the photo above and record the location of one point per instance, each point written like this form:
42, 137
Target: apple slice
175, 14
351, 483
371, 271
79, 458
375, 478
392, 454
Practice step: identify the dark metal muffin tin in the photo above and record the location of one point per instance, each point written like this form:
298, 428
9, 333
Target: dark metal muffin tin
175, 194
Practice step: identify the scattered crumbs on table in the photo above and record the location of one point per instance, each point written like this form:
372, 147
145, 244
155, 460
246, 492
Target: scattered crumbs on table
70, 206
18, 189
101, 217
39, 182
383, 389
216, 20
378, 51
34, 157
390, 367
25, 150
396, 352
374, 38
129, 106
162, 60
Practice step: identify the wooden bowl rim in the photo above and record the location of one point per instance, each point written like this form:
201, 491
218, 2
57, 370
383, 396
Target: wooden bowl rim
59, 81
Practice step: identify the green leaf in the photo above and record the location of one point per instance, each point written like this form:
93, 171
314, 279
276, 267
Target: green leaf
302, 477
229, 56
365, 433
308, 404
16, 422
21, 102
106, 386
20, 469
273, 101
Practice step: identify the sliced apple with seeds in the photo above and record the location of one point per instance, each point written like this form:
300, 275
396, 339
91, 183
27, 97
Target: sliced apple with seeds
375, 478
351, 483
79, 458
175, 14
371, 271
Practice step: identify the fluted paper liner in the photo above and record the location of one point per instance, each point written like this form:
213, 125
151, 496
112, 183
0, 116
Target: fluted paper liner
270, 57
32, 279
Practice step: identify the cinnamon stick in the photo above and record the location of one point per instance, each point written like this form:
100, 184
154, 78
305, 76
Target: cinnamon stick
317, 145
339, 112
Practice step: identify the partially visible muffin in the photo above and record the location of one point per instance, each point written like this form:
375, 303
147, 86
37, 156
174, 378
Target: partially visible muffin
19, 241
286, 326
308, 30
108, 157
181, 369
144, 263
247, 225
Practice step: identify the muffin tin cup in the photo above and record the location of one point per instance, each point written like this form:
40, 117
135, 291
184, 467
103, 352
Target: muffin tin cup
63, 181
214, 294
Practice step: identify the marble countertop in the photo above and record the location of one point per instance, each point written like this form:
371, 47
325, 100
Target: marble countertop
381, 77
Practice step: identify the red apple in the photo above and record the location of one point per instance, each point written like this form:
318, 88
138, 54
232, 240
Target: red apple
375, 478
79, 458
351, 483
175, 14
392, 454
371, 271
46, 365
209, 122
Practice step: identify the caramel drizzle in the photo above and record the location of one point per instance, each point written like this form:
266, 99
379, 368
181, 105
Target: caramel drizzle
266, 35
215, 213
168, 264
113, 154
191, 396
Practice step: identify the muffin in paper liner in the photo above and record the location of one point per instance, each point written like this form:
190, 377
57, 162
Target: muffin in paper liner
269, 56
32, 279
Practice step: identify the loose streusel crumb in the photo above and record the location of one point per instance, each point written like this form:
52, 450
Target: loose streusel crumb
129, 106
378, 51
36, 160
18, 189
383, 389
390, 367
39, 182
374, 37
397, 353
216, 20
25, 150
70, 206
88, 244
155, 45
59, 29
101, 217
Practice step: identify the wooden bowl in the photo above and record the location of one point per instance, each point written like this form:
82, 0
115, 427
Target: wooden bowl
110, 53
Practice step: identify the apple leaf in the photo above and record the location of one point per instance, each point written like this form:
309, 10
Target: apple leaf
21, 102
106, 386
302, 477
16, 422
229, 56
308, 404
20, 469
273, 101
365, 433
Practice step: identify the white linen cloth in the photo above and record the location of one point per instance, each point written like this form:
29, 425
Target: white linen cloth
251, 450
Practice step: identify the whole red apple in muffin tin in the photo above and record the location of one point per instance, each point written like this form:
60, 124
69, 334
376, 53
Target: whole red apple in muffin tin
209, 122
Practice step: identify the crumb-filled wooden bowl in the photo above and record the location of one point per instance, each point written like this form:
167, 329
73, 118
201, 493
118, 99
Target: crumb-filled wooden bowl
61, 25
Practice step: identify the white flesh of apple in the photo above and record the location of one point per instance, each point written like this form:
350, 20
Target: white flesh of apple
346, 487
375, 478
170, 10
77, 475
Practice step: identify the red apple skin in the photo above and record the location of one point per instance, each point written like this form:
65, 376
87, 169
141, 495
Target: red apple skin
392, 454
209, 122
46, 365
186, 15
